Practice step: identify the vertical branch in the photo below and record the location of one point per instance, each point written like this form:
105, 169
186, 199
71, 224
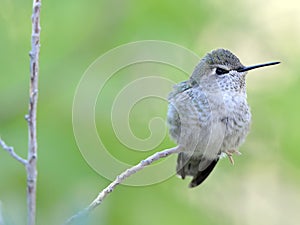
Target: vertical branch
31, 117
30, 163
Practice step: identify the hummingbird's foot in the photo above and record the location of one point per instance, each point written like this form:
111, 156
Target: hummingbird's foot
229, 153
234, 152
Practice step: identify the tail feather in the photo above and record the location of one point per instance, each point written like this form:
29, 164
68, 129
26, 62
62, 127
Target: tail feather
202, 175
193, 166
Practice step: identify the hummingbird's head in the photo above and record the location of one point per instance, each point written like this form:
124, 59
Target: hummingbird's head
222, 67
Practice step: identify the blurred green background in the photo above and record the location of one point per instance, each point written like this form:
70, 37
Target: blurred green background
262, 188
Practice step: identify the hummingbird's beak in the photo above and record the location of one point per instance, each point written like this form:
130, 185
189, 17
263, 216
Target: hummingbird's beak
246, 68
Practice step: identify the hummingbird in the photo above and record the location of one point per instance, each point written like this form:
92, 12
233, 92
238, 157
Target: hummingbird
208, 115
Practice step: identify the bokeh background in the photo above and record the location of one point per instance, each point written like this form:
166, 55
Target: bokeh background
262, 188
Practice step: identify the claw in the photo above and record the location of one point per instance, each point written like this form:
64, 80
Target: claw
229, 153
235, 152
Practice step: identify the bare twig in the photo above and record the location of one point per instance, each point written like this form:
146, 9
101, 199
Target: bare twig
30, 163
11, 151
31, 117
119, 179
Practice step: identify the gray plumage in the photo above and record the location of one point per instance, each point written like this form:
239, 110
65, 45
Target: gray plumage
208, 114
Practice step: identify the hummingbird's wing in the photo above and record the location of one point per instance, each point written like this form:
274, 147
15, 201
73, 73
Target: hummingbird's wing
174, 109
191, 124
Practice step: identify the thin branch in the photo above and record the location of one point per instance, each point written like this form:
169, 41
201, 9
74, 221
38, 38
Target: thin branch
119, 179
31, 117
11, 151
30, 163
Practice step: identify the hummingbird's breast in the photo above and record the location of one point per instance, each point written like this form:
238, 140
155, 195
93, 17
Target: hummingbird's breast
236, 119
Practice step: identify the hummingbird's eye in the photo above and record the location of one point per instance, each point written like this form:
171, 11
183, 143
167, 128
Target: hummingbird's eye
221, 71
